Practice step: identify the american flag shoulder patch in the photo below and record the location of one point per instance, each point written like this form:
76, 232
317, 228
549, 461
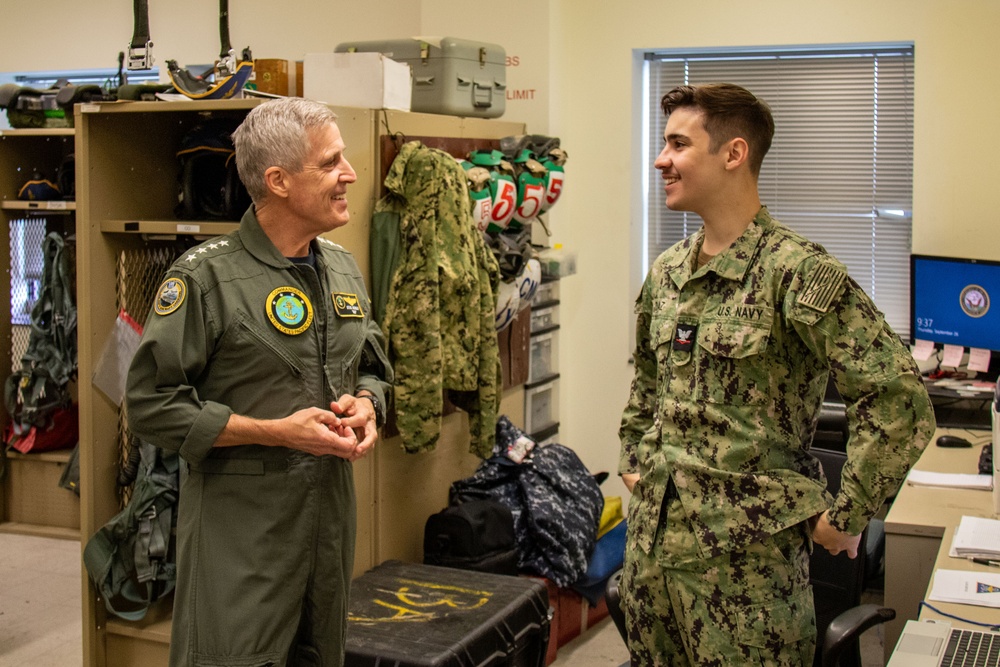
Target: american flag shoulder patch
823, 287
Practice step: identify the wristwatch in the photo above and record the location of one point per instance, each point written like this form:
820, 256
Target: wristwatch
379, 417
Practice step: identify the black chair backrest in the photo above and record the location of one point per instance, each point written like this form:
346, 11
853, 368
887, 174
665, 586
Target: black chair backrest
837, 581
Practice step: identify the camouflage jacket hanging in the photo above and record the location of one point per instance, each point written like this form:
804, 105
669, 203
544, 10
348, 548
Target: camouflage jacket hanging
438, 322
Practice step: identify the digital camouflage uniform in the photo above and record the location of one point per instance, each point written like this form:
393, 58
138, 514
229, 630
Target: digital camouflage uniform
732, 362
439, 320
265, 534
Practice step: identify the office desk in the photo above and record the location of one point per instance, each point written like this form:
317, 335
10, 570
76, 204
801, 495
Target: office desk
918, 520
967, 611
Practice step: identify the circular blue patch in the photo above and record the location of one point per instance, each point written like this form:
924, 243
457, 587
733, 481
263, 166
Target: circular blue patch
289, 310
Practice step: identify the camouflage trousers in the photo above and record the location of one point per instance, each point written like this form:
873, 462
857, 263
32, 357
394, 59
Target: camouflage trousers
750, 607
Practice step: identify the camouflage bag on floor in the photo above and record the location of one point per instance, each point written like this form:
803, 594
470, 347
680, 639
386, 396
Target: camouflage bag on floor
556, 503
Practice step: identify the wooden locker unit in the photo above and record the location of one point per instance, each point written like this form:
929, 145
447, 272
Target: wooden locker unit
127, 180
31, 502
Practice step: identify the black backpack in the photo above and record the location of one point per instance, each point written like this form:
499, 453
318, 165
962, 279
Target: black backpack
475, 535
132, 558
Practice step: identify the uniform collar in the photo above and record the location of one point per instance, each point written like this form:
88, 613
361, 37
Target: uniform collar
395, 180
260, 246
733, 262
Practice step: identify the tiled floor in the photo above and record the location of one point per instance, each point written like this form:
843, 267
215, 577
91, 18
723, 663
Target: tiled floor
40, 609
40, 605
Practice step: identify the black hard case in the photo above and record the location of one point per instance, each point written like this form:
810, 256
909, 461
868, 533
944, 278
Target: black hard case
408, 614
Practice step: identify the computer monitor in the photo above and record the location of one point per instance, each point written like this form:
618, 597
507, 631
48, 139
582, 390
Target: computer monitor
955, 301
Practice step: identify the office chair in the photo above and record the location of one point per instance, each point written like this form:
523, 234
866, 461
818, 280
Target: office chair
837, 582
829, 445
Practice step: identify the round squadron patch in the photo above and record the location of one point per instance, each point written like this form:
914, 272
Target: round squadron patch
170, 296
289, 310
975, 301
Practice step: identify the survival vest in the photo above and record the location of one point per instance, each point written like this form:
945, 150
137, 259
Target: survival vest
132, 558
39, 390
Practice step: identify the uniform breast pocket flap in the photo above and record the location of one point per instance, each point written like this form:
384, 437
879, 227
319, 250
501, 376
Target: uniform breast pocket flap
736, 339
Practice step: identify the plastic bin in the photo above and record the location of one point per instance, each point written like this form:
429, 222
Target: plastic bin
541, 406
543, 356
544, 318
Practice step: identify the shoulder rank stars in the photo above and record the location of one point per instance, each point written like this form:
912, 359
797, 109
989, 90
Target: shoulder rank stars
205, 248
328, 242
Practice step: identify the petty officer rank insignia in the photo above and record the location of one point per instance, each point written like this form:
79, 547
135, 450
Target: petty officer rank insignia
289, 310
684, 337
347, 305
823, 287
170, 296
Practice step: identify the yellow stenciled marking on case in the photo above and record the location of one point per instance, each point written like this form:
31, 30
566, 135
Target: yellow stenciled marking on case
413, 598
404, 595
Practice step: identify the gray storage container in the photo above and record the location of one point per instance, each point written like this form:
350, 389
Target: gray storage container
457, 77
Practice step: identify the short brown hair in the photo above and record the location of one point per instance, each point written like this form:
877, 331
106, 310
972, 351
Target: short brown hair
730, 111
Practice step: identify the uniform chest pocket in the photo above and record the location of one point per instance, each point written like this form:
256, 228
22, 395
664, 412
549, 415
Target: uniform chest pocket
253, 350
733, 366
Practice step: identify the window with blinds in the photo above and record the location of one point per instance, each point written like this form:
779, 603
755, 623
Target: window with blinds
840, 167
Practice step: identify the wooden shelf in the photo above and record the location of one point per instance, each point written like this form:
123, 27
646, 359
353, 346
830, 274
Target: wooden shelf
194, 227
155, 627
39, 132
213, 106
58, 456
39, 530
55, 206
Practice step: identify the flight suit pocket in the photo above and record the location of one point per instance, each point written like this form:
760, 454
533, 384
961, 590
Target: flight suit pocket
248, 358
732, 365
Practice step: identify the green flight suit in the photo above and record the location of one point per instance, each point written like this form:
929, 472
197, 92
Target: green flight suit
265, 534
731, 365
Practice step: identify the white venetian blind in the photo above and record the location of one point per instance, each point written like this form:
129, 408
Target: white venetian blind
840, 167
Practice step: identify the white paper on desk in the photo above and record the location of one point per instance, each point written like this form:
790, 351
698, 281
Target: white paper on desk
978, 588
950, 479
976, 537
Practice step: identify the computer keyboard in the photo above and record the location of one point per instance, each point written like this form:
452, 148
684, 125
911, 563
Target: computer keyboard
972, 648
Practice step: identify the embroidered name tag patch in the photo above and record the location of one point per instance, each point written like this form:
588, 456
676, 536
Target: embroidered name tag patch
170, 296
347, 305
684, 336
289, 310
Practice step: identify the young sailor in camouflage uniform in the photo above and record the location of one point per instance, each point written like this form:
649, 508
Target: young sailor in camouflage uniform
739, 328
262, 366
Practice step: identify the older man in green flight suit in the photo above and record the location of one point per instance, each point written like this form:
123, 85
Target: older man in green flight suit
262, 366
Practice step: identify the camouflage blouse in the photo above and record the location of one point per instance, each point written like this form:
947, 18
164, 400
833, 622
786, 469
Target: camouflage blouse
731, 365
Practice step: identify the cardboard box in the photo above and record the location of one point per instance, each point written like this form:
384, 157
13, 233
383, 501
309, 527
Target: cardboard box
271, 75
367, 80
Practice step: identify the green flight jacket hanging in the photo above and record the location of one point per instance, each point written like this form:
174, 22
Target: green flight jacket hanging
439, 307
